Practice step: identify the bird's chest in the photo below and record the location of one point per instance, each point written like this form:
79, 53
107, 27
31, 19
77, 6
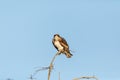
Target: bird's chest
58, 45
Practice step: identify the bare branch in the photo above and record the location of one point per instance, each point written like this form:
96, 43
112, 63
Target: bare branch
59, 76
31, 77
51, 65
86, 77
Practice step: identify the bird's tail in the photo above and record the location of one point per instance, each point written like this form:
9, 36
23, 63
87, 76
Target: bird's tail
68, 54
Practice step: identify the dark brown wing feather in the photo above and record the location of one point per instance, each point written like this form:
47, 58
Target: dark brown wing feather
66, 48
64, 43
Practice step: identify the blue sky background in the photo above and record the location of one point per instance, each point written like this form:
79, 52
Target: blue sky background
92, 29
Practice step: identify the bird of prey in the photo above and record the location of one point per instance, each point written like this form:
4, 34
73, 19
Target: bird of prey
61, 45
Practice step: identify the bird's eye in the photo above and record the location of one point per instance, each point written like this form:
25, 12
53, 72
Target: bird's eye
54, 35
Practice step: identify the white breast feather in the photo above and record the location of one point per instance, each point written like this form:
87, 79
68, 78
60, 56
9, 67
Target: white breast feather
57, 43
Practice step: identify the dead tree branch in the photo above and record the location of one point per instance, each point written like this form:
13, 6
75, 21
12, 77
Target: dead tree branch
36, 72
51, 65
59, 76
86, 77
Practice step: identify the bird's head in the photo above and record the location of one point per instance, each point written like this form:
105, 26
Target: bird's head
56, 36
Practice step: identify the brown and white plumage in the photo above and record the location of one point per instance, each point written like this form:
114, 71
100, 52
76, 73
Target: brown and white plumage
61, 45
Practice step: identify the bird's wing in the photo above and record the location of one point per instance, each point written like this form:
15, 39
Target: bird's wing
64, 43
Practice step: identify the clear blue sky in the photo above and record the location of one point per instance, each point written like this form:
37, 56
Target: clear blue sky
92, 29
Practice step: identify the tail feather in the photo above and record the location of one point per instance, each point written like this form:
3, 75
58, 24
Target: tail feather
68, 54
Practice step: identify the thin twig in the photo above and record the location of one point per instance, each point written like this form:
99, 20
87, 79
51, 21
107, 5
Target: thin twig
86, 77
59, 76
31, 77
36, 72
51, 65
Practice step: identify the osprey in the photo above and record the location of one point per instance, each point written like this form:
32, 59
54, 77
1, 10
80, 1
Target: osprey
61, 45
